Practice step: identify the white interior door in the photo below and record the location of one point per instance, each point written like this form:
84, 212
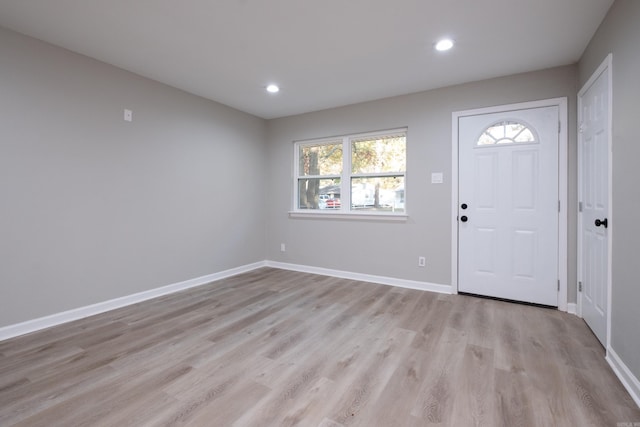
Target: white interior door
593, 247
508, 205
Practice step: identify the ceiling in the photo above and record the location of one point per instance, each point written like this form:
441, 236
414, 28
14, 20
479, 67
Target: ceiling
323, 54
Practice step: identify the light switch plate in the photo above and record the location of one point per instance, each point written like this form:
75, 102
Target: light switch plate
436, 178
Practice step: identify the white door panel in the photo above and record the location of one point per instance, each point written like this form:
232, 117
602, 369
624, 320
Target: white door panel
508, 245
593, 146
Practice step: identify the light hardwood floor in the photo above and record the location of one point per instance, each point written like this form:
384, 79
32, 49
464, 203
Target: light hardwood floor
280, 348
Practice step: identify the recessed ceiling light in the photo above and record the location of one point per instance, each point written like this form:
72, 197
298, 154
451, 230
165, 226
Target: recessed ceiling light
444, 44
273, 88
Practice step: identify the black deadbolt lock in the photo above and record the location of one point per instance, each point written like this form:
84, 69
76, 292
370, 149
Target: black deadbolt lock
464, 206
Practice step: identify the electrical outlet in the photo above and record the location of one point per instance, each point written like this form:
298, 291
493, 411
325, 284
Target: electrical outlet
422, 261
283, 248
128, 115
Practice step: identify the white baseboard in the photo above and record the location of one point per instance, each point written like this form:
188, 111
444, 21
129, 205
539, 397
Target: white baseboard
33, 325
628, 380
17, 329
572, 308
402, 283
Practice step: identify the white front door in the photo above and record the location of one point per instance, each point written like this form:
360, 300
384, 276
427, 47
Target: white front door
508, 205
593, 247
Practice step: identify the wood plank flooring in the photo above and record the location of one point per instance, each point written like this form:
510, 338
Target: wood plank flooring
281, 348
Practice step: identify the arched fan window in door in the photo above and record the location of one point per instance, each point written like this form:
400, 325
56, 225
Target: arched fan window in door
507, 132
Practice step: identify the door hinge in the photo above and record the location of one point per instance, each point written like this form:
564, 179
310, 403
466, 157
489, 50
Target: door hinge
579, 286
579, 206
581, 128
559, 126
559, 205
558, 285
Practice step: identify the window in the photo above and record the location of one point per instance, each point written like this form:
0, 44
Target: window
507, 132
350, 174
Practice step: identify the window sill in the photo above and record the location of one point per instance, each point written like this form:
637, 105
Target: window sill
360, 216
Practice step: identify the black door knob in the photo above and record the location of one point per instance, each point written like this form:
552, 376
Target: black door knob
463, 218
603, 222
463, 206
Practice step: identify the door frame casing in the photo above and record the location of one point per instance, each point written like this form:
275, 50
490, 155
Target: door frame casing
605, 66
563, 182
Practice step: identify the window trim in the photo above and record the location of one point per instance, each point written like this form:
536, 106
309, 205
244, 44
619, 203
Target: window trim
345, 211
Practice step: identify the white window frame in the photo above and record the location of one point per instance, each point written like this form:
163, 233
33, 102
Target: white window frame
345, 210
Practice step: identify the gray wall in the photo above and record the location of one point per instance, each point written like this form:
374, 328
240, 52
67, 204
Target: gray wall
391, 249
619, 34
93, 207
